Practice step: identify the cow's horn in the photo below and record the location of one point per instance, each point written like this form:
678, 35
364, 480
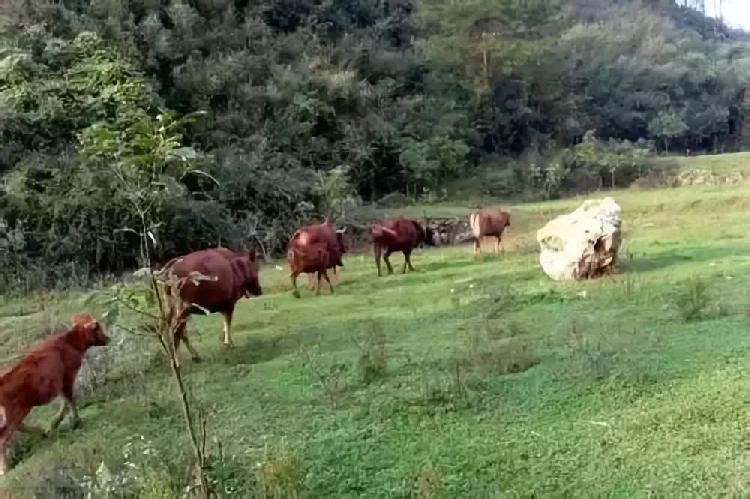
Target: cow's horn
341, 231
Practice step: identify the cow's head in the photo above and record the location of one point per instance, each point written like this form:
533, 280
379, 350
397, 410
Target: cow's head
431, 236
89, 331
340, 239
426, 235
248, 267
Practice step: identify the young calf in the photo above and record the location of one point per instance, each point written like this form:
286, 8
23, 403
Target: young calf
310, 259
46, 373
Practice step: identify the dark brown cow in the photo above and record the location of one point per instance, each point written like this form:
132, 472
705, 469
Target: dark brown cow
310, 259
233, 275
486, 222
324, 233
398, 234
46, 373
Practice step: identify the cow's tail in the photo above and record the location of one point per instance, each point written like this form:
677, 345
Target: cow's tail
292, 253
295, 237
474, 224
377, 231
3, 418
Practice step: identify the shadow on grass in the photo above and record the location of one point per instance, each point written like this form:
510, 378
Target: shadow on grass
255, 349
663, 260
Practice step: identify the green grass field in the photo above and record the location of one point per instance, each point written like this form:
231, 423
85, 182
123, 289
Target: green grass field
463, 379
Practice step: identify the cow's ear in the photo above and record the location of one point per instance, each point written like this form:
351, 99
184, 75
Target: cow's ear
85, 321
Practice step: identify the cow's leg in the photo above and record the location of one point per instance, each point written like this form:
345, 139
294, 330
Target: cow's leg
34, 430
325, 276
377, 250
3, 458
319, 276
477, 247
5, 435
186, 339
387, 261
68, 386
228, 327
66, 402
293, 278
59, 416
407, 261
181, 335
8, 426
335, 275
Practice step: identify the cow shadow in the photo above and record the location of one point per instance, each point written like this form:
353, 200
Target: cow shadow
256, 349
447, 264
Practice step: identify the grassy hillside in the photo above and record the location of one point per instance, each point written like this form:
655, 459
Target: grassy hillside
720, 164
466, 378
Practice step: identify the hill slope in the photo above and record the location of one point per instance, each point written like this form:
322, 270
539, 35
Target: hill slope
491, 378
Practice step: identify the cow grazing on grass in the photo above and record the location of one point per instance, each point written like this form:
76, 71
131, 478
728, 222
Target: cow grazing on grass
486, 222
230, 277
48, 372
310, 259
399, 234
324, 233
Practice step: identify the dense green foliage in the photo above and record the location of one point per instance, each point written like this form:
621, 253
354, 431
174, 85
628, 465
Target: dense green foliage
401, 96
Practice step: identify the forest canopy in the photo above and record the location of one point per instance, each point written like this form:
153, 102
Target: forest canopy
253, 117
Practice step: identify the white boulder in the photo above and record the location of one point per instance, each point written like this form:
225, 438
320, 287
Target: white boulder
582, 244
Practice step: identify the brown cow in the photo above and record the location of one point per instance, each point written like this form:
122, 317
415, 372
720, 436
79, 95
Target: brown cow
309, 259
46, 373
399, 234
487, 222
233, 275
326, 234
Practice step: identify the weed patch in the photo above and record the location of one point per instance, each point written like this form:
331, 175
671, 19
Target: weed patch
281, 474
330, 375
429, 483
373, 359
693, 300
497, 349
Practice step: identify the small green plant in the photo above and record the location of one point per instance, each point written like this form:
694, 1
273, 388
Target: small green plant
693, 300
508, 356
443, 389
373, 358
330, 375
588, 353
281, 474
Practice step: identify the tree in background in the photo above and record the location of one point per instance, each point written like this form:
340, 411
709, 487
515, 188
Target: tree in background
410, 96
667, 126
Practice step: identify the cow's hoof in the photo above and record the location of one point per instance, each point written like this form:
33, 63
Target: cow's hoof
76, 424
196, 359
296, 294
